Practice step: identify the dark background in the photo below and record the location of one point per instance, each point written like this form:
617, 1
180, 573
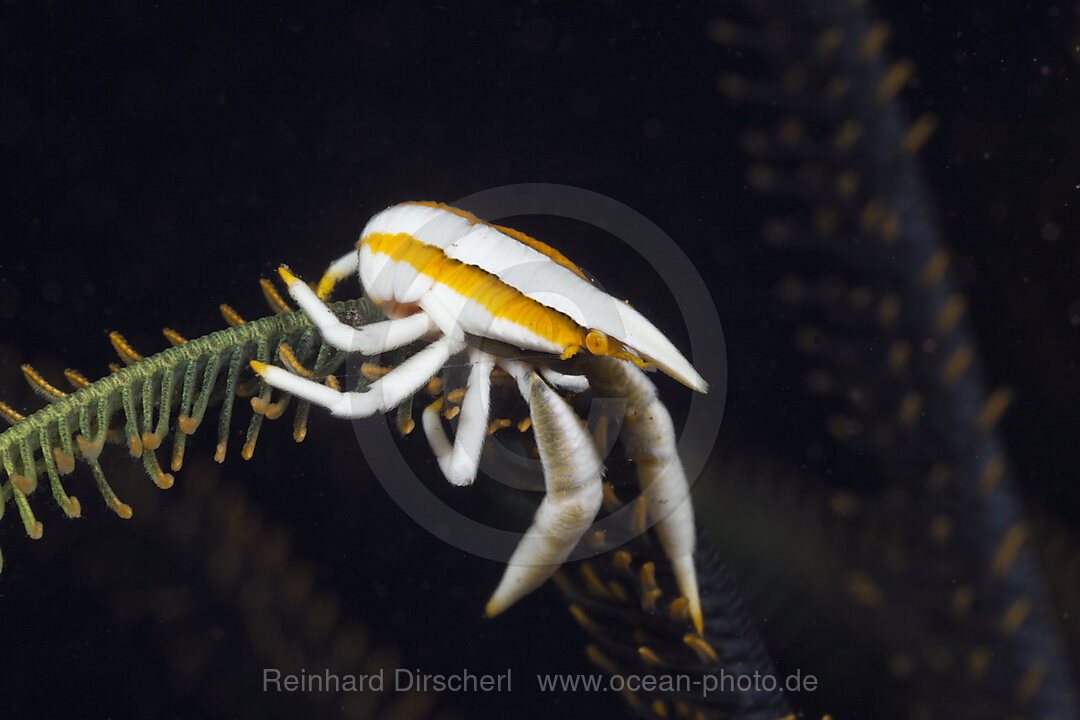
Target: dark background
158, 160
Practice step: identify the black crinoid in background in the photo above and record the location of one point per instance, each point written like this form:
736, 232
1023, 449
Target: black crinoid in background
158, 160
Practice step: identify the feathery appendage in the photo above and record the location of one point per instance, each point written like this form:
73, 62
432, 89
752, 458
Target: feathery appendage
166, 393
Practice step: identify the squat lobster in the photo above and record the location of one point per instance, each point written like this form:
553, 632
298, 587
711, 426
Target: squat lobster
441, 273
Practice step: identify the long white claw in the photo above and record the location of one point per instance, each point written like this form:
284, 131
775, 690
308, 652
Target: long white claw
340, 404
648, 436
649, 439
297, 386
385, 393
572, 473
398, 384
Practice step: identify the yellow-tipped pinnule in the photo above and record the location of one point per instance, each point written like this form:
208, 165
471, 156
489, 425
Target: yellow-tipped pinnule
325, 286
287, 276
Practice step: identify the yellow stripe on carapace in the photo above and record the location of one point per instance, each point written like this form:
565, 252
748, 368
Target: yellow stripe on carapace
551, 253
487, 290
443, 206
544, 249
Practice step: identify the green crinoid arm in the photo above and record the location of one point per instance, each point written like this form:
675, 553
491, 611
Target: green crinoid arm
142, 404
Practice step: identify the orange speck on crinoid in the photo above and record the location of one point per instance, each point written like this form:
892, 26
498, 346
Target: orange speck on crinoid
121, 508
679, 609
275, 410
65, 463
163, 480
25, 485
648, 656
702, 649
89, 450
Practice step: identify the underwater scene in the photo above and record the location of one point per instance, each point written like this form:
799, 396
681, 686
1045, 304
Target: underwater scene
731, 368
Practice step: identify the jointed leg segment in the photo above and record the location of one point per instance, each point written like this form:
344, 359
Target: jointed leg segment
369, 340
648, 436
384, 394
460, 461
572, 474
345, 266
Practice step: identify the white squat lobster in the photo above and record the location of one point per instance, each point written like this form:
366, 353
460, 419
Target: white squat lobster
441, 273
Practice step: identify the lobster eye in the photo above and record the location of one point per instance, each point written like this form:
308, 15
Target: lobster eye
596, 342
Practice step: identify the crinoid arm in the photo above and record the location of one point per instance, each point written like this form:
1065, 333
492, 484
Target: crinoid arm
169, 393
